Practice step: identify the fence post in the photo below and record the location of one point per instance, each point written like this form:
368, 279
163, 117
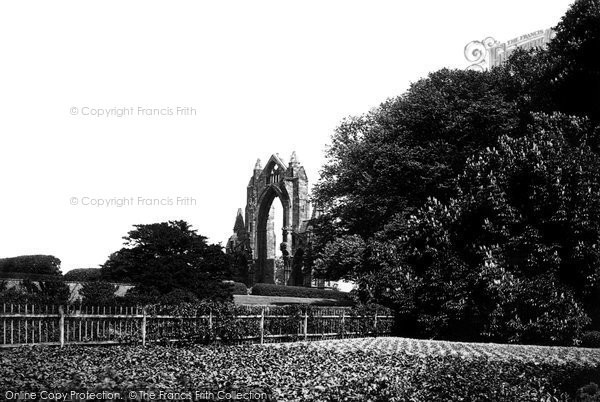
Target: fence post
375, 323
144, 326
61, 326
305, 324
262, 325
343, 322
210, 321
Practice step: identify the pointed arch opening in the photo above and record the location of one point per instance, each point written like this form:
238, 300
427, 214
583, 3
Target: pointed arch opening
275, 228
272, 233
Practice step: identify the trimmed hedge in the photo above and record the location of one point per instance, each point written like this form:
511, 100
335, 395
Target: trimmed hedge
265, 289
240, 288
83, 275
32, 264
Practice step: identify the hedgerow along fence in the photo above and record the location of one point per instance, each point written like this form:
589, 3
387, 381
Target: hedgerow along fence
61, 325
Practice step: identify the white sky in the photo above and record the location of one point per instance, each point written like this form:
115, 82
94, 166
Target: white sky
264, 77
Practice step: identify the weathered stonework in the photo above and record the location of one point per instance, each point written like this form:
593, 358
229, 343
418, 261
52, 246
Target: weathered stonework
257, 236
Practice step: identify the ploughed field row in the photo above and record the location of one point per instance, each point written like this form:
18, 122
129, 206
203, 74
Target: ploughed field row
360, 369
419, 347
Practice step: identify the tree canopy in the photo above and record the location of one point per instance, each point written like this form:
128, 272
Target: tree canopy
412, 147
575, 62
470, 203
31, 264
409, 148
162, 257
516, 254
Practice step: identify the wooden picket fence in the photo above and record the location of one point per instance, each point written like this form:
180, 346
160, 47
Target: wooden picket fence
56, 325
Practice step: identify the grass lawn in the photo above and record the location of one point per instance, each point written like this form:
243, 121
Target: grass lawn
285, 300
377, 369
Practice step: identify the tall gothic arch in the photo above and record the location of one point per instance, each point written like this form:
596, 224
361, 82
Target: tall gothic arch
257, 237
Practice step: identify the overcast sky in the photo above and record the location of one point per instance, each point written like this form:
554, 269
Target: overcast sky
263, 77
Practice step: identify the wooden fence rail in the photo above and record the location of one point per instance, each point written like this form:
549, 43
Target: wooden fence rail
53, 325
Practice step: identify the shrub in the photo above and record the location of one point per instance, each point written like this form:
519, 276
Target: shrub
215, 291
98, 293
240, 288
139, 296
177, 297
591, 339
83, 275
265, 289
14, 295
53, 292
589, 393
41, 293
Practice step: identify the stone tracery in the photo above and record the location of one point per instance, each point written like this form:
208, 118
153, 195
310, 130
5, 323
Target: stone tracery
255, 235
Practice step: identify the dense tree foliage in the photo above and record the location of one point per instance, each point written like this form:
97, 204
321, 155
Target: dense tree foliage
515, 256
97, 293
468, 204
31, 264
413, 147
239, 261
162, 257
409, 148
575, 62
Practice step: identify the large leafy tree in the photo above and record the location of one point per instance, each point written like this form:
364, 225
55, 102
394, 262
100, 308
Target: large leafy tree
515, 256
506, 245
162, 257
392, 159
565, 77
411, 147
575, 62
